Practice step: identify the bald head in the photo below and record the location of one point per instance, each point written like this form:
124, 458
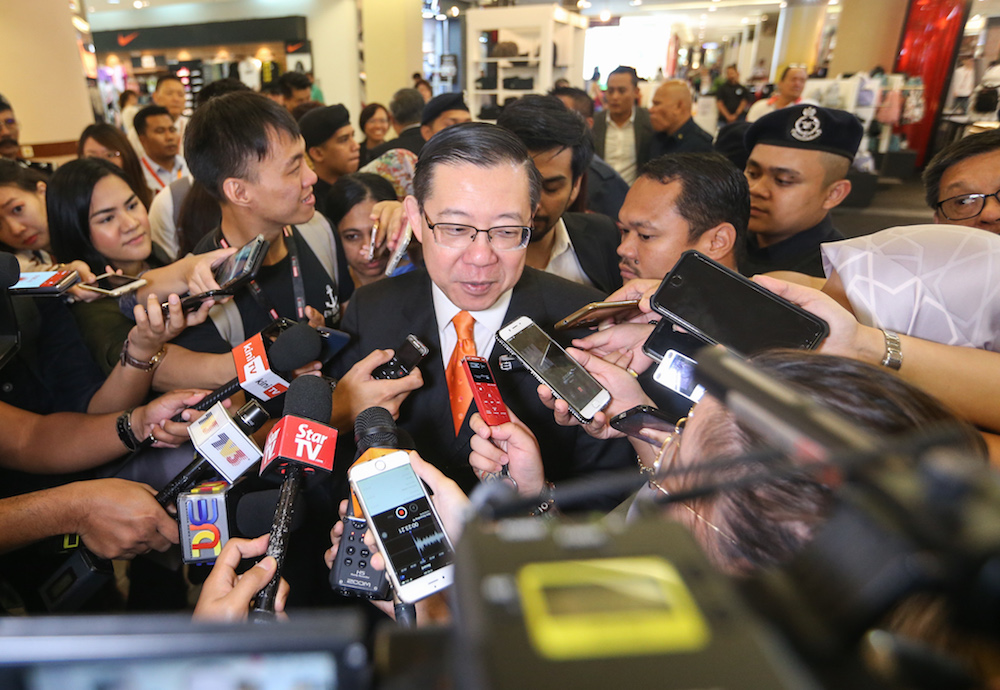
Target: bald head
671, 107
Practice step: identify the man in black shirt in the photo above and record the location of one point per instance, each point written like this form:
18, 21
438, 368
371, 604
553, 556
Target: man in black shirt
799, 158
732, 98
675, 129
331, 147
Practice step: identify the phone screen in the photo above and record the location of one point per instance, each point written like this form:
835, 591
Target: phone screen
732, 310
676, 372
114, 281
562, 373
236, 265
410, 533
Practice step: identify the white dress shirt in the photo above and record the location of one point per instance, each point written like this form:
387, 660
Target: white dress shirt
563, 261
488, 322
619, 148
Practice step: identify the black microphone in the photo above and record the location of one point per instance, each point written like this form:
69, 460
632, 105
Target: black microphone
300, 442
10, 270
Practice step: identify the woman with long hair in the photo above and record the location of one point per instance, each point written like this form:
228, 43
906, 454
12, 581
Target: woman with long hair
105, 141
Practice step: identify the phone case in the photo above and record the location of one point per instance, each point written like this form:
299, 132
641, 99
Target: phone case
488, 401
573, 411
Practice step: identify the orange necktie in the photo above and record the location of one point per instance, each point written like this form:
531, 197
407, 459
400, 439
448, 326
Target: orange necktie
459, 390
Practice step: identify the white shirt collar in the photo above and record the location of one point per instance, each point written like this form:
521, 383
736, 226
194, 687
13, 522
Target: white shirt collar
488, 322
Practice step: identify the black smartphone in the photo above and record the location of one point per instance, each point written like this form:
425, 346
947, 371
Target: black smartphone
407, 357
665, 338
632, 422
720, 306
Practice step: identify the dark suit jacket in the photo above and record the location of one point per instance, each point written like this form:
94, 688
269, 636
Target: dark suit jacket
595, 241
643, 134
380, 315
606, 189
410, 139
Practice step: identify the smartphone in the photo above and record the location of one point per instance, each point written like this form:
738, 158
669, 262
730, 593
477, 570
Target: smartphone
632, 422
552, 366
400, 252
664, 338
114, 285
232, 274
676, 372
41, 283
418, 554
484, 390
721, 306
595, 312
407, 357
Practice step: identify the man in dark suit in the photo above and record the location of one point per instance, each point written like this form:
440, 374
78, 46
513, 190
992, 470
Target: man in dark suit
622, 130
474, 179
576, 246
405, 110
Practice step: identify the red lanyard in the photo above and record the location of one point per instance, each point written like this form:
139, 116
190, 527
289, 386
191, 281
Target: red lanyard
298, 287
155, 176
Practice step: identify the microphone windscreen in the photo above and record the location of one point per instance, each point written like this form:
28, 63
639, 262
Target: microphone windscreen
255, 512
10, 270
309, 397
294, 347
375, 428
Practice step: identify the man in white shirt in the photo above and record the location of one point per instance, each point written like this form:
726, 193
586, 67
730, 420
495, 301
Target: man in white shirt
789, 92
622, 131
160, 141
576, 246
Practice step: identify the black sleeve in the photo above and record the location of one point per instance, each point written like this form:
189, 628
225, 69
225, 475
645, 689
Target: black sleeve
204, 337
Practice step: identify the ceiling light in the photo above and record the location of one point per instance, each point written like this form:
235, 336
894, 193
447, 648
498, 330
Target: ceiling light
453, 11
635, 3
137, 4
744, 21
605, 15
711, 9
427, 15
440, 17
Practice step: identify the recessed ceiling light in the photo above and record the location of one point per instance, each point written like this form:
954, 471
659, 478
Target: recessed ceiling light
605, 15
137, 4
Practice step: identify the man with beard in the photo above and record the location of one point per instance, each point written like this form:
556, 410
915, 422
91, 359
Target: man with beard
10, 131
576, 246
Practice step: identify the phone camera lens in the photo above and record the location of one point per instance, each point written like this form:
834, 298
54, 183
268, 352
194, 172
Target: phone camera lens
676, 281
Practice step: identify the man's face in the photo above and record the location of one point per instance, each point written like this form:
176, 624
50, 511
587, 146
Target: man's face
282, 192
732, 76
473, 278
558, 188
338, 155
160, 140
654, 234
620, 95
445, 119
298, 97
794, 82
170, 95
666, 114
9, 135
788, 193
976, 175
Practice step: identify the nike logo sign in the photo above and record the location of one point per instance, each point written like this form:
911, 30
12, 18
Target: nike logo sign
124, 40
293, 47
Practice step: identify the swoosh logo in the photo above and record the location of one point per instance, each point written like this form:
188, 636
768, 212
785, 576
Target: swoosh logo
293, 47
124, 40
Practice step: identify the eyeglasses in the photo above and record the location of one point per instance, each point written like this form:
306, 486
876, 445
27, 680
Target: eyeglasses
455, 236
669, 450
110, 155
965, 206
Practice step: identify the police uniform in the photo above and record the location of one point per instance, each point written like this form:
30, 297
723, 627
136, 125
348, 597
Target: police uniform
812, 128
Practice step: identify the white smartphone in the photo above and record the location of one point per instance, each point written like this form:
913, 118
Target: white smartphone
419, 556
552, 366
114, 285
676, 372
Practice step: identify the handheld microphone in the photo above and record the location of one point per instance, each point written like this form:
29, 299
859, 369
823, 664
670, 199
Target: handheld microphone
222, 443
300, 442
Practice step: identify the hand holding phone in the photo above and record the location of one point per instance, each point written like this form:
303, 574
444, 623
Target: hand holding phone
631, 422
595, 312
114, 284
406, 358
405, 525
232, 274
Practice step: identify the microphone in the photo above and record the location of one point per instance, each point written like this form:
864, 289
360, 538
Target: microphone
222, 443
262, 369
10, 270
300, 442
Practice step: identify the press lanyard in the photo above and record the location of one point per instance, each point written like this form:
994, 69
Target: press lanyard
298, 287
155, 176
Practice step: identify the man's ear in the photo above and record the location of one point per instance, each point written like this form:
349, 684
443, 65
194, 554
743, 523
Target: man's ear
425, 132
718, 242
315, 154
412, 210
836, 193
236, 192
40, 188
575, 192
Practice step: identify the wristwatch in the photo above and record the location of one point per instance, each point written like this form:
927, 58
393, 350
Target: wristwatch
125, 434
893, 351
127, 359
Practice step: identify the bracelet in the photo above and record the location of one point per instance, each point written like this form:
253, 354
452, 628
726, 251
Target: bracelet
126, 359
548, 503
893, 350
125, 433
